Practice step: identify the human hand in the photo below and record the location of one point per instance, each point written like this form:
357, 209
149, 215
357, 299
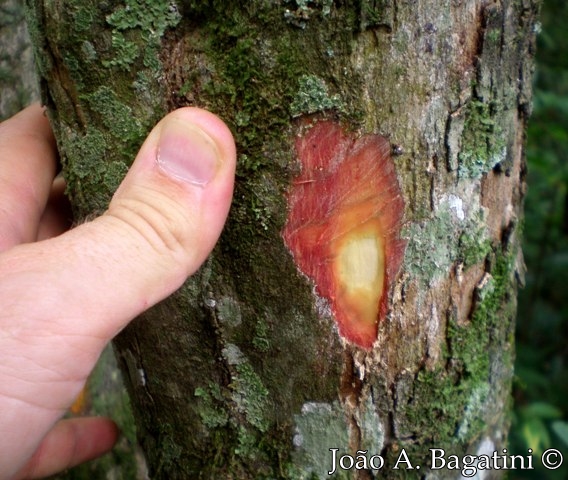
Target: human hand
65, 295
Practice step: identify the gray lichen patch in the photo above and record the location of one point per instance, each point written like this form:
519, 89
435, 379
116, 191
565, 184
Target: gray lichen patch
313, 96
112, 107
149, 19
248, 392
210, 406
299, 12
250, 396
229, 312
115, 115
233, 354
318, 428
475, 137
371, 427
474, 411
456, 233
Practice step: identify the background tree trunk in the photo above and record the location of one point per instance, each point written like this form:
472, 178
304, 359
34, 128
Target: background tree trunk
18, 79
242, 374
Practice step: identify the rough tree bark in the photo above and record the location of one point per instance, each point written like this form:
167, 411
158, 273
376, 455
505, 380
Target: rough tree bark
18, 82
243, 373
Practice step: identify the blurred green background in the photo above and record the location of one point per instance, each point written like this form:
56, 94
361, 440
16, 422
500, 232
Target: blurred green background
541, 383
540, 411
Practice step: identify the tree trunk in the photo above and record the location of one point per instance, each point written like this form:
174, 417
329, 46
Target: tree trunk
266, 360
18, 82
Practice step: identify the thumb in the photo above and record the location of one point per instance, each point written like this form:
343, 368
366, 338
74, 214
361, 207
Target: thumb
160, 226
168, 213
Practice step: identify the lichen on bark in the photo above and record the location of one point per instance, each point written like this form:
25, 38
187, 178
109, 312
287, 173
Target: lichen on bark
100, 111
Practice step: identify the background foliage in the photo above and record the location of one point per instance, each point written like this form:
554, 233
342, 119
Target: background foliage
541, 389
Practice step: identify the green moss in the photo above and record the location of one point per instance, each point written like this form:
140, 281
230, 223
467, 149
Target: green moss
452, 405
113, 175
35, 28
247, 443
474, 246
264, 205
85, 173
170, 451
376, 13
125, 52
261, 340
87, 149
91, 178
482, 144
124, 103
84, 17
494, 35
151, 16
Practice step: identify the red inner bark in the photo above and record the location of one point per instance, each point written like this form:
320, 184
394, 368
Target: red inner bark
343, 226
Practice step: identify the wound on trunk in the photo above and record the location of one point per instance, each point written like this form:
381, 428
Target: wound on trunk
343, 225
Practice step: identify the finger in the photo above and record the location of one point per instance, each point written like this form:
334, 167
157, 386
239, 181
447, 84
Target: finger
28, 162
57, 216
70, 443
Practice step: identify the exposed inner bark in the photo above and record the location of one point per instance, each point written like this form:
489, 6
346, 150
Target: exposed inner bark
343, 226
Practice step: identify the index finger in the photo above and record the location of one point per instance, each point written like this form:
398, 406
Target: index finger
28, 162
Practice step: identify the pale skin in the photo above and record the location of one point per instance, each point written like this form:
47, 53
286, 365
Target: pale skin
64, 294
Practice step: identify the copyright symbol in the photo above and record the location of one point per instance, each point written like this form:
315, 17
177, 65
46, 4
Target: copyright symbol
552, 459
